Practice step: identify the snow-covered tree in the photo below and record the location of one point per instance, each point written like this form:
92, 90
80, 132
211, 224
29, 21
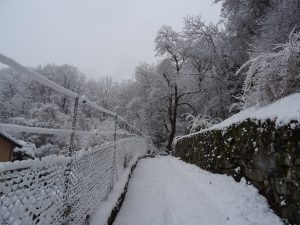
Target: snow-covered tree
274, 28
272, 75
241, 19
195, 75
200, 122
175, 88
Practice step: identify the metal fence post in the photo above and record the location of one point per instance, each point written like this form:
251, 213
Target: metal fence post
115, 146
68, 170
74, 120
116, 124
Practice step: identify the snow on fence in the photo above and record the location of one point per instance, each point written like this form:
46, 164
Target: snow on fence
78, 99
16, 129
63, 190
60, 189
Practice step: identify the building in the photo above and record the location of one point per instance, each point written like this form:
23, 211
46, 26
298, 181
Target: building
7, 145
12, 149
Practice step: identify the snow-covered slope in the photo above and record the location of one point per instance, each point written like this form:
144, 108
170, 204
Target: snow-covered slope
282, 111
165, 190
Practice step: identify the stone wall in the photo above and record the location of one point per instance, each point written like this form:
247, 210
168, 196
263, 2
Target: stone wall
267, 157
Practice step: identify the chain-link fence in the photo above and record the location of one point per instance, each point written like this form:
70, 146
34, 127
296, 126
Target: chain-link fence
63, 190
66, 188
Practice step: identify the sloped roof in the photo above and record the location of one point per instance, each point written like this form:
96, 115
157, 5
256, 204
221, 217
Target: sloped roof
10, 139
27, 148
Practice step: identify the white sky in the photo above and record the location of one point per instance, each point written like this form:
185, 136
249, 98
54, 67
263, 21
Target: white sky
99, 37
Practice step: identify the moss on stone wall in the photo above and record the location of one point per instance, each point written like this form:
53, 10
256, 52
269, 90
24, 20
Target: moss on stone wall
266, 156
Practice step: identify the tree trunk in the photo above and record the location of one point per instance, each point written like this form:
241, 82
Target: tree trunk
173, 119
171, 135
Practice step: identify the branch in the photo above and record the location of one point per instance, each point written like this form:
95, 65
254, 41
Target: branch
185, 103
214, 77
167, 80
188, 93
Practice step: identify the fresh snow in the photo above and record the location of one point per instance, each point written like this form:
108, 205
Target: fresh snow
103, 212
27, 148
165, 191
283, 111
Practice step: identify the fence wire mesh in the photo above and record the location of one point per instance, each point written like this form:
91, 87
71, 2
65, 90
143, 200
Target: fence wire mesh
63, 190
66, 188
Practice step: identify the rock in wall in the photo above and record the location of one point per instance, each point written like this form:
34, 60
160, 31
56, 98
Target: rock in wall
265, 155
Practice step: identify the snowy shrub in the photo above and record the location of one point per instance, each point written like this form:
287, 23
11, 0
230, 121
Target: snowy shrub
200, 122
48, 115
46, 150
272, 75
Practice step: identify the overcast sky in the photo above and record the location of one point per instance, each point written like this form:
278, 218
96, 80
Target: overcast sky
99, 37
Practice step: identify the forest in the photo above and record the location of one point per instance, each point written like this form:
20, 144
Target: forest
205, 73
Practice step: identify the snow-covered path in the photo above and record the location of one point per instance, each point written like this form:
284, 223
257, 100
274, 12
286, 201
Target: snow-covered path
167, 191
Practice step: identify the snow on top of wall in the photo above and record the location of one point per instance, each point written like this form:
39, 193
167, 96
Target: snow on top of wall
282, 112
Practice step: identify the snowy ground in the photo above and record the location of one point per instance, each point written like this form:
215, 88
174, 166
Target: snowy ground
104, 211
167, 191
